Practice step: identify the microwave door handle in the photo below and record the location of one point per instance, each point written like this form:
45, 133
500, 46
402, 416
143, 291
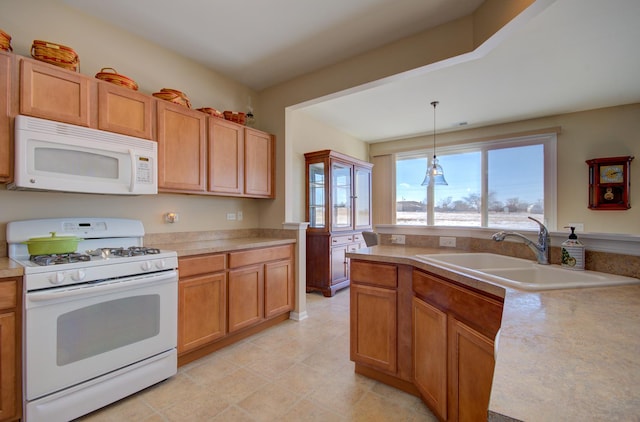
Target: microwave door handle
132, 183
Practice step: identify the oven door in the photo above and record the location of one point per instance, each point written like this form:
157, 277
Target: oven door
76, 333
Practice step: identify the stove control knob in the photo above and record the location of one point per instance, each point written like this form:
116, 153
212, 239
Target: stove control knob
56, 278
146, 266
161, 264
78, 275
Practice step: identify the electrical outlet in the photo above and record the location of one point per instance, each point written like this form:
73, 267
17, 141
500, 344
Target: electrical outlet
239, 215
397, 239
231, 216
449, 242
579, 226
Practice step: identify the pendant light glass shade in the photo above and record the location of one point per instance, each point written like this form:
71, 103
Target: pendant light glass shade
435, 174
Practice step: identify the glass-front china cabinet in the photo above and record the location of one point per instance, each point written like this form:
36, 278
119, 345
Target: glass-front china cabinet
338, 208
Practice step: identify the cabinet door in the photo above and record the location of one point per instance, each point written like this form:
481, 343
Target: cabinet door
246, 297
279, 288
202, 310
339, 264
8, 362
125, 111
54, 93
341, 196
226, 157
181, 148
429, 332
6, 150
373, 327
258, 164
362, 197
471, 364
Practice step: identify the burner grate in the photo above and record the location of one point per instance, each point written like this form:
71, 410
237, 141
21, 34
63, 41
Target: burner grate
132, 251
65, 258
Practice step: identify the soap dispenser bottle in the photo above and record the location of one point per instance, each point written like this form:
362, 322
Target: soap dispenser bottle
572, 252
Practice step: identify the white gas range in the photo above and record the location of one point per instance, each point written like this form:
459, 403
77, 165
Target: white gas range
100, 323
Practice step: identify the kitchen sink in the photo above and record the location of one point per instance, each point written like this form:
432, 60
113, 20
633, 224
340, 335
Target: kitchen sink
521, 273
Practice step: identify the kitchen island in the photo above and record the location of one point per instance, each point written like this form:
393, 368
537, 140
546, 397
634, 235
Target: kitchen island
561, 354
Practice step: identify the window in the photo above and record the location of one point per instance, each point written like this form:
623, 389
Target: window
494, 184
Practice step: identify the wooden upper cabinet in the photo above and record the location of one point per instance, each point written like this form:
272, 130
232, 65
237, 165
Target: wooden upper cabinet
6, 145
182, 147
124, 111
226, 157
50, 92
259, 164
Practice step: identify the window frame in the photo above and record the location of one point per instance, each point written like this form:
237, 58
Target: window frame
547, 140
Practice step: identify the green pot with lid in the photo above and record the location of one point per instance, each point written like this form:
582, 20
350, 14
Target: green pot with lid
52, 244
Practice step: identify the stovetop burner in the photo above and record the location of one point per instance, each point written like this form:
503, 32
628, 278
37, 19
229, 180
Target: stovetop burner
130, 251
65, 258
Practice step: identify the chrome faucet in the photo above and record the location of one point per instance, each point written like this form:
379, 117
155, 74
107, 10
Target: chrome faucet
541, 249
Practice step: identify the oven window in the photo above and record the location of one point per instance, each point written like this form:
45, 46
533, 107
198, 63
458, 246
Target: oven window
106, 326
75, 163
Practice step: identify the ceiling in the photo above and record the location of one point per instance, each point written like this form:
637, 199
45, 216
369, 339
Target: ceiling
575, 55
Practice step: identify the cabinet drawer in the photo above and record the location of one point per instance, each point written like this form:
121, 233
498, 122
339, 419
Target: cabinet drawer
358, 238
481, 312
384, 275
203, 264
258, 256
8, 291
341, 240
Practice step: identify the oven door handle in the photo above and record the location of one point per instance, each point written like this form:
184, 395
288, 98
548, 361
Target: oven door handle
101, 288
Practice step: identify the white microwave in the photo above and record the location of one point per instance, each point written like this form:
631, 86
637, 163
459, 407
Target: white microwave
62, 157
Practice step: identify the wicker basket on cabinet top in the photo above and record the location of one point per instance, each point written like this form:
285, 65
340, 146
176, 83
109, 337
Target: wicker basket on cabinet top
57, 54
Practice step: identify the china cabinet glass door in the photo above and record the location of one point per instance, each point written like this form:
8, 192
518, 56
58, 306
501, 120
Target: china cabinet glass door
317, 204
341, 186
363, 197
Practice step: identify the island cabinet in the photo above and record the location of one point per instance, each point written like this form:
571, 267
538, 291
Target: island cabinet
202, 300
53, 93
454, 329
225, 297
6, 144
182, 146
10, 349
380, 308
338, 208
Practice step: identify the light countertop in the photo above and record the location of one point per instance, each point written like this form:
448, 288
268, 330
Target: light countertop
225, 245
10, 268
562, 355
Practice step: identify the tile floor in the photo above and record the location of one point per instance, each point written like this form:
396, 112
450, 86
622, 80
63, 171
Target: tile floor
296, 371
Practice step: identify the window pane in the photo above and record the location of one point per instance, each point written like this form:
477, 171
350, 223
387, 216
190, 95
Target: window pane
516, 186
458, 203
411, 196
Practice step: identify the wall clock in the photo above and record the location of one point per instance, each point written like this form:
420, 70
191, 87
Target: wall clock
609, 183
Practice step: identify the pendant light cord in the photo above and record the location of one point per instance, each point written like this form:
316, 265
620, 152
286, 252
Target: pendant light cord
434, 104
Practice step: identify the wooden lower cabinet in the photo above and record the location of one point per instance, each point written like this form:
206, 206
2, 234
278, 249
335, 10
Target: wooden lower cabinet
373, 327
246, 297
454, 330
202, 301
6, 133
471, 364
10, 350
448, 348
279, 287
430, 355
225, 297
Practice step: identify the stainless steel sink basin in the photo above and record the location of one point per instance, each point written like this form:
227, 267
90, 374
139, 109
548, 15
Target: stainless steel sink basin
521, 273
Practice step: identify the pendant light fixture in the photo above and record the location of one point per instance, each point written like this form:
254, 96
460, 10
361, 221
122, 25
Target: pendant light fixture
434, 175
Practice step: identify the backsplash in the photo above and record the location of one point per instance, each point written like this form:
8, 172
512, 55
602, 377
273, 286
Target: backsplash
199, 236
611, 263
